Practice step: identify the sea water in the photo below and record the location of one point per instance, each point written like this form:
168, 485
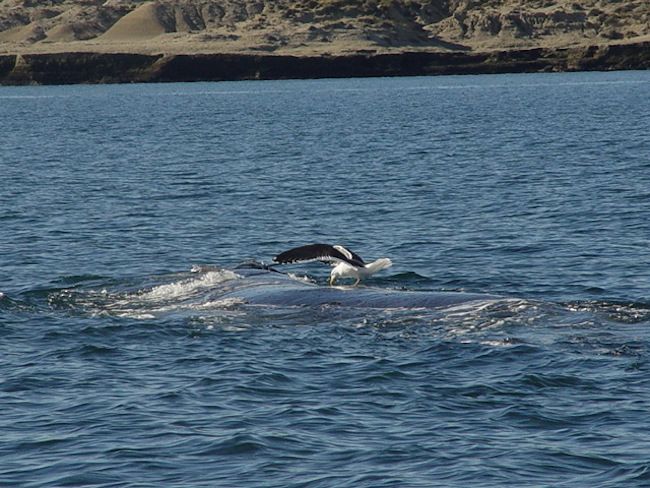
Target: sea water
125, 210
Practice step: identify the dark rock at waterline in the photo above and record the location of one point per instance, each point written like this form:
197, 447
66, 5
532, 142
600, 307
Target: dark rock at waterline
81, 67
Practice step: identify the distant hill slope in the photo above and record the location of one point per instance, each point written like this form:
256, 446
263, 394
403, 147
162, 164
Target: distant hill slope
316, 26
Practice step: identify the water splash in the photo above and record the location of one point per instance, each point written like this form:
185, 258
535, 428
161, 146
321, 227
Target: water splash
187, 287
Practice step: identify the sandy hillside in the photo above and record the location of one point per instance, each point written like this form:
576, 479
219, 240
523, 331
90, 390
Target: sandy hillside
315, 26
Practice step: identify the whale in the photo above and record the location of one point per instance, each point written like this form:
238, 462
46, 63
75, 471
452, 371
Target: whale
265, 286
256, 287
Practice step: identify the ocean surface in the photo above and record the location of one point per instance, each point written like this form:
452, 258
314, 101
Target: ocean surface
130, 355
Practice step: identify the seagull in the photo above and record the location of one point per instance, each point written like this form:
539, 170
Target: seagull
345, 263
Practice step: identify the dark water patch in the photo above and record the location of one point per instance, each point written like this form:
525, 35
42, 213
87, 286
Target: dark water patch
18, 309
534, 417
553, 381
406, 280
88, 279
94, 350
237, 445
31, 381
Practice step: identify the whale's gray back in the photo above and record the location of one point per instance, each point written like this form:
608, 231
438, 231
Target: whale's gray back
262, 287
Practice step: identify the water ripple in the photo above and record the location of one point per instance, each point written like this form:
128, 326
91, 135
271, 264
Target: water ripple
123, 365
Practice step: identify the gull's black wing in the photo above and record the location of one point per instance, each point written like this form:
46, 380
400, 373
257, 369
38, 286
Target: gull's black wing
319, 252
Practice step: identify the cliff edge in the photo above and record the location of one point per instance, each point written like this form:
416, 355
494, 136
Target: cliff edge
259, 32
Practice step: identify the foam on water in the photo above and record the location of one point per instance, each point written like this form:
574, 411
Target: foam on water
187, 287
303, 278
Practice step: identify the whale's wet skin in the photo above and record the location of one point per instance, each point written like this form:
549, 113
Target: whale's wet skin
262, 287
252, 286
247, 295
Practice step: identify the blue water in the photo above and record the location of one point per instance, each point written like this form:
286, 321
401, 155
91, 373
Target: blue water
125, 210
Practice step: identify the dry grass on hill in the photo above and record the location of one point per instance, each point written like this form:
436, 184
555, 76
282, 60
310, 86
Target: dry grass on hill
315, 26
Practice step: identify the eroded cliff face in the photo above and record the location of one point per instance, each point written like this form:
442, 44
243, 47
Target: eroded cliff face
95, 41
65, 68
316, 26
545, 22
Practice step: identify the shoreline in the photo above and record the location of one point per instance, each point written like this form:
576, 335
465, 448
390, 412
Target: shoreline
100, 67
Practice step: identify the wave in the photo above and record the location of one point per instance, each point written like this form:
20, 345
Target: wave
618, 312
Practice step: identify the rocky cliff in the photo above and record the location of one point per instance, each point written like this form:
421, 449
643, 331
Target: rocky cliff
334, 26
312, 29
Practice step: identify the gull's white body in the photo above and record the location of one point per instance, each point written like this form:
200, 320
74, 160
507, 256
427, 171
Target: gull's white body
343, 269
